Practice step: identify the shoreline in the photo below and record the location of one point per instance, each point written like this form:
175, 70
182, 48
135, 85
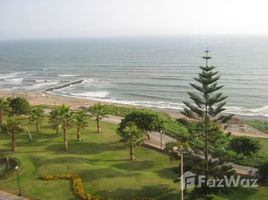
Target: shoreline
237, 125
47, 98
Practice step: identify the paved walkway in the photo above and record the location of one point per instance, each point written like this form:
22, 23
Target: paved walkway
8, 196
155, 142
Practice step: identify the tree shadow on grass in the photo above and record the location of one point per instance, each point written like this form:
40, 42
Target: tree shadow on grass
108, 172
23, 140
85, 148
135, 165
159, 192
168, 173
59, 160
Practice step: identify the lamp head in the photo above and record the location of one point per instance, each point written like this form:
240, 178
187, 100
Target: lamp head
174, 149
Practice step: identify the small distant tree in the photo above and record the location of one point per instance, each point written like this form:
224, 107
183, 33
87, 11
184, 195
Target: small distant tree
98, 111
207, 105
245, 145
54, 120
12, 127
65, 120
4, 108
147, 121
131, 135
80, 119
37, 115
19, 106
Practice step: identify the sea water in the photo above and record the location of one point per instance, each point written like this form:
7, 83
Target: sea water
144, 71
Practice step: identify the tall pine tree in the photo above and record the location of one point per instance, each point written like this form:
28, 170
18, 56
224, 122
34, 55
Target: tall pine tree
207, 104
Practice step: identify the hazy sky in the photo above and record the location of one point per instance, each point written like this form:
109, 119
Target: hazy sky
90, 18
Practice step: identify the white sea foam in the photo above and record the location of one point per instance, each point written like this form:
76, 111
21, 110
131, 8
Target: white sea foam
15, 80
9, 75
262, 111
42, 84
67, 75
98, 94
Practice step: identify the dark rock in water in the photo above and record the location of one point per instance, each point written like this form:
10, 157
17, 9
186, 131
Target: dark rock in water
64, 85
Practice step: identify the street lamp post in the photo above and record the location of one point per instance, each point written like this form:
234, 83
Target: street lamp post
180, 151
161, 139
18, 180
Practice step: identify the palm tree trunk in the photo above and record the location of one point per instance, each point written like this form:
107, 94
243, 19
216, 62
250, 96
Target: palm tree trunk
37, 128
78, 134
1, 117
148, 135
132, 152
98, 125
13, 142
65, 139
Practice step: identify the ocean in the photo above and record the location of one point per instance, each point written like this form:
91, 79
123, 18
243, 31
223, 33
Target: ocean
145, 71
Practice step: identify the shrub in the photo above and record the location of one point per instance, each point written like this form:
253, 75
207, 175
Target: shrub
5, 172
263, 172
245, 145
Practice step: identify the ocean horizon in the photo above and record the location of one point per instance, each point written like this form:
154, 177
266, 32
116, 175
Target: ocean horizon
143, 71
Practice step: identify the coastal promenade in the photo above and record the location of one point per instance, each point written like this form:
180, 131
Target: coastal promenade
8, 196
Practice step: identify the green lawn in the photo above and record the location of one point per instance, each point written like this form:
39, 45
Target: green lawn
264, 143
259, 125
264, 150
102, 162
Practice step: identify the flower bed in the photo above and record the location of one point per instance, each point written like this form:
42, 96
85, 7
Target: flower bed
79, 188
77, 185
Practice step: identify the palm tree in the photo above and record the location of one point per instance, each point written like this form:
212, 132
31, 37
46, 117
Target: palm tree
131, 135
12, 127
98, 111
37, 115
80, 119
54, 120
4, 108
65, 120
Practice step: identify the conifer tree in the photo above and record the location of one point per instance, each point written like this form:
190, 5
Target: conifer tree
207, 104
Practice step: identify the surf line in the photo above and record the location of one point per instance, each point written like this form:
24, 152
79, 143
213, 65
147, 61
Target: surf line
64, 85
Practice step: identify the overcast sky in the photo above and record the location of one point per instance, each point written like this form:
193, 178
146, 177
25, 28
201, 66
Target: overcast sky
91, 18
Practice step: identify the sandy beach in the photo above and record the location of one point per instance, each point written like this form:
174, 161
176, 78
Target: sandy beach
237, 125
45, 98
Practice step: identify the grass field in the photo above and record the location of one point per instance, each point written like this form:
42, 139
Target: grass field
264, 143
103, 163
101, 160
259, 125
264, 150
